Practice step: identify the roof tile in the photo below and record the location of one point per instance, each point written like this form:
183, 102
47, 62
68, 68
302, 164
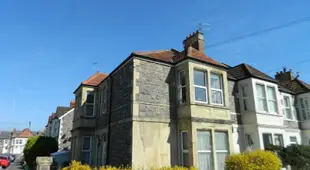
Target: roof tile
95, 79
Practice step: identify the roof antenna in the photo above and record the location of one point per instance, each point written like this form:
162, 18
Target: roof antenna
95, 66
201, 26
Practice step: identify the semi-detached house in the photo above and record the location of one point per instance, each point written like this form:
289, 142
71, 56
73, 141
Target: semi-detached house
171, 107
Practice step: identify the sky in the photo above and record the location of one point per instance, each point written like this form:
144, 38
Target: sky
47, 48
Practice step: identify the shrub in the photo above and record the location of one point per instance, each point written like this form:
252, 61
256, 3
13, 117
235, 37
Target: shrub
39, 146
77, 166
255, 160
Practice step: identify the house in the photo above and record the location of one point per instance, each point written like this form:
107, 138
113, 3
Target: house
65, 127
4, 140
53, 125
158, 108
18, 140
267, 109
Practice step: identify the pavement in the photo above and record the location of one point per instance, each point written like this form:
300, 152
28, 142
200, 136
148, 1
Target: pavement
16, 165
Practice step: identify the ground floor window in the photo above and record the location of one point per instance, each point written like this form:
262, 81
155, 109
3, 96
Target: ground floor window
278, 140
184, 148
103, 149
267, 139
293, 140
86, 150
209, 155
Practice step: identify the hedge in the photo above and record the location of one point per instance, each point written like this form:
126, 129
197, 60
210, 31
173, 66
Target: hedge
39, 146
255, 160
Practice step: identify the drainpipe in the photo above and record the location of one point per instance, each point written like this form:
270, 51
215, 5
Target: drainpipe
109, 123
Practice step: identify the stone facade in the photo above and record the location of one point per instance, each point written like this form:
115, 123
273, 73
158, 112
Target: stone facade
66, 124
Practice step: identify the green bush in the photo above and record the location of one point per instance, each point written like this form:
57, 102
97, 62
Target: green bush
39, 146
255, 160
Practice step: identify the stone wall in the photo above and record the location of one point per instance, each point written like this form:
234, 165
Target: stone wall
157, 93
65, 131
120, 147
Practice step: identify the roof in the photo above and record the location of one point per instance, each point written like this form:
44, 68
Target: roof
95, 79
5, 134
296, 85
26, 133
283, 89
61, 110
173, 56
243, 71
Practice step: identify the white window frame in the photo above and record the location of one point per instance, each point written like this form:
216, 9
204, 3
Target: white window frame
202, 87
87, 150
258, 97
271, 100
272, 138
293, 142
281, 138
86, 104
220, 151
287, 107
212, 148
182, 144
180, 87
245, 87
218, 90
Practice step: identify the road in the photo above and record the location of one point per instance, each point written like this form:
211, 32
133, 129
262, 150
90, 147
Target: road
16, 165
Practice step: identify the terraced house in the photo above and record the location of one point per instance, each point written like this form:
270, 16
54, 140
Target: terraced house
181, 107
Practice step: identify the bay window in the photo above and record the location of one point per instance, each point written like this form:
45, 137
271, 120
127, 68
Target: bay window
184, 149
244, 90
261, 97
86, 150
287, 108
272, 99
182, 87
200, 84
267, 139
90, 103
206, 150
216, 88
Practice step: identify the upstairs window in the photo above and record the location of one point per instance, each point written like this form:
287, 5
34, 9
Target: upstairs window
182, 87
261, 98
216, 89
272, 100
200, 84
304, 108
103, 100
90, 101
244, 90
287, 108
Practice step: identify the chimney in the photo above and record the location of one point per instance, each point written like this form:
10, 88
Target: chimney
284, 75
72, 104
195, 40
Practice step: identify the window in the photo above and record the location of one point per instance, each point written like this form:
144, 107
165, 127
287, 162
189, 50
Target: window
90, 100
103, 100
261, 98
272, 100
307, 107
205, 159
86, 149
5, 141
304, 109
267, 139
278, 140
221, 144
249, 140
244, 90
200, 84
293, 140
20, 141
287, 108
103, 149
216, 89
184, 148
182, 87
78, 102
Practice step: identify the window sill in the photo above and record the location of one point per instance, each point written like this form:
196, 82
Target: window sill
270, 114
210, 105
291, 120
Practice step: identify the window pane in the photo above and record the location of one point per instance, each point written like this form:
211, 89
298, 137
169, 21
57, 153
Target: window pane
262, 104
205, 161
182, 78
183, 95
216, 81
200, 94
200, 78
260, 91
221, 141
245, 107
267, 138
85, 157
302, 103
271, 93
90, 98
293, 139
221, 157
185, 159
89, 110
272, 106
217, 97
287, 101
204, 140
244, 89
86, 143
288, 113
278, 140
184, 141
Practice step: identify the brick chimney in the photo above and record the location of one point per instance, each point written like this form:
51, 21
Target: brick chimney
72, 104
195, 40
284, 76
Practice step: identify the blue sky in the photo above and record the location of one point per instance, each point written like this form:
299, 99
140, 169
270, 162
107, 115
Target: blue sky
47, 47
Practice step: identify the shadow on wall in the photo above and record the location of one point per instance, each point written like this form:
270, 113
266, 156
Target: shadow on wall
172, 139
